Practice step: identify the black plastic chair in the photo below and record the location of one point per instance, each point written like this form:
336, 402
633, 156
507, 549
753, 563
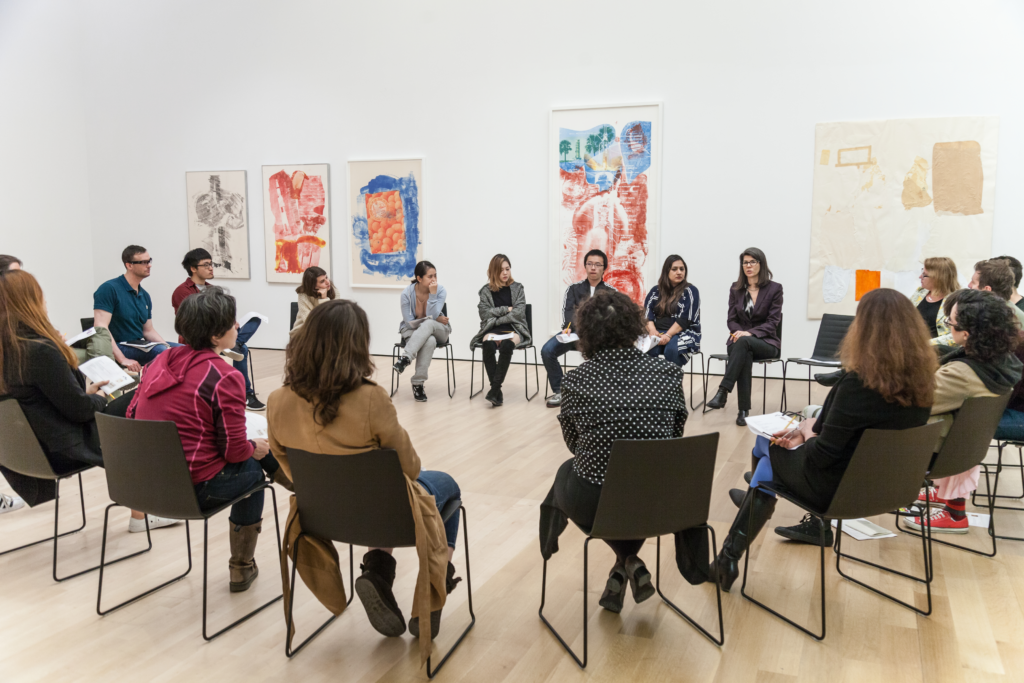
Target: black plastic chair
884, 473
157, 481
1001, 445
21, 452
965, 447
449, 362
831, 333
374, 512
86, 323
651, 489
765, 362
294, 314
526, 363
703, 382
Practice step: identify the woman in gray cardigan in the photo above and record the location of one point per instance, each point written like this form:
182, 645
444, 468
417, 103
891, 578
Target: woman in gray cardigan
503, 326
424, 325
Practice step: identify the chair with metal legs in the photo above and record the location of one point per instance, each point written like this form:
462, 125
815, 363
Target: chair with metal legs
526, 363
374, 512
703, 380
884, 474
765, 362
831, 333
965, 447
159, 484
993, 486
651, 489
449, 362
21, 452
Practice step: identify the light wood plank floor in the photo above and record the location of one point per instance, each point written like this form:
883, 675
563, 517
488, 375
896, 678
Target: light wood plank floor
504, 460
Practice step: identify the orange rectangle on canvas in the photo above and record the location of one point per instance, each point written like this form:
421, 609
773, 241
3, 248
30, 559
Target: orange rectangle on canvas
385, 222
867, 280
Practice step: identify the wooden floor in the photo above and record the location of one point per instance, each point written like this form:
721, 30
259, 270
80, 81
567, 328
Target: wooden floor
504, 460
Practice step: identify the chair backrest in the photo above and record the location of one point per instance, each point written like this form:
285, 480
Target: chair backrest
360, 499
86, 323
656, 487
885, 472
529, 318
146, 467
19, 448
968, 440
294, 314
831, 332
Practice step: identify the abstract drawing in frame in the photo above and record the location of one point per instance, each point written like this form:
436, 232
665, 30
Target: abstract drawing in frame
385, 200
604, 167
218, 220
296, 220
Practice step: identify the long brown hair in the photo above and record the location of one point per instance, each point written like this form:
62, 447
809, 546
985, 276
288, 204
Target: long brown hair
329, 356
764, 275
494, 272
942, 272
308, 286
669, 294
22, 308
887, 346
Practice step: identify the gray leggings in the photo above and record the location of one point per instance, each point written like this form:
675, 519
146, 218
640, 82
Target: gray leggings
420, 344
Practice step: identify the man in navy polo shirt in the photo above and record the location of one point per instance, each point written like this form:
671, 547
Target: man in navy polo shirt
123, 307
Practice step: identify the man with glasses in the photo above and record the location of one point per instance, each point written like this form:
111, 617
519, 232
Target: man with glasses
125, 309
595, 262
198, 263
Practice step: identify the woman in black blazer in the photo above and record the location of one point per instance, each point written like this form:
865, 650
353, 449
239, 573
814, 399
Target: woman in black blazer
755, 315
889, 384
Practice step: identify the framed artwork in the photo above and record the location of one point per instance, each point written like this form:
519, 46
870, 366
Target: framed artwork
296, 220
218, 220
386, 225
604, 193
890, 193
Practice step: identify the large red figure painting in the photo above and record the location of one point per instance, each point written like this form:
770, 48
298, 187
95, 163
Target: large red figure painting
296, 215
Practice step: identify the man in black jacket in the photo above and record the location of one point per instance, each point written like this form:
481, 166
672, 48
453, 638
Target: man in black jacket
596, 261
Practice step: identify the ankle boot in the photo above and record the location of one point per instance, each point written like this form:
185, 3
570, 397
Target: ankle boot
719, 399
374, 591
726, 565
242, 567
450, 582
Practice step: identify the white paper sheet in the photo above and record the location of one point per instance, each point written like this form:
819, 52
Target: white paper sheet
977, 519
250, 315
646, 342
863, 530
498, 337
79, 337
255, 426
102, 368
566, 338
139, 345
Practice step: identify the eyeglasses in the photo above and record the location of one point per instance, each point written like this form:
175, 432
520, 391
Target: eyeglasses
750, 263
208, 264
957, 327
595, 264
141, 263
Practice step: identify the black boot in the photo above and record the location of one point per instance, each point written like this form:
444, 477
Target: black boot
374, 591
741, 418
719, 399
726, 565
450, 582
489, 350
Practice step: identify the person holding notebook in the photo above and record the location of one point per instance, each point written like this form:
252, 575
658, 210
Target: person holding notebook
502, 311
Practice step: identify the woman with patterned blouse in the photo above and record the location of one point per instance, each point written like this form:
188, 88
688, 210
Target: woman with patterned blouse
618, 393
673, 313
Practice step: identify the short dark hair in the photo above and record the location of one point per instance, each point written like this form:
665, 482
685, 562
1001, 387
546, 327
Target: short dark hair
1016, 267
995, 274
764, 276
608, 320
421, 270
205, 315
130, 252
6, 261
193, 258
596, 252
991, 324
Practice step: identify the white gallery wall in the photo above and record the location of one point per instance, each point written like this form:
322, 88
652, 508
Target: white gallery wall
112, 102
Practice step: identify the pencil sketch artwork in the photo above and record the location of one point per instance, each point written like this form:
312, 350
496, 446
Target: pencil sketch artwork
296, 220
889, 194
605, 171
218, 220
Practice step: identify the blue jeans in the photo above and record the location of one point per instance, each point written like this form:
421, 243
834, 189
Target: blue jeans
443, 488
245, 333
764, 464
552, 351
1011, 426
145, 357
671, 352
231, 482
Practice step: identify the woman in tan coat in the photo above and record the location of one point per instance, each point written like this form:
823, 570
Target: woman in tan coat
316, 289
328, 405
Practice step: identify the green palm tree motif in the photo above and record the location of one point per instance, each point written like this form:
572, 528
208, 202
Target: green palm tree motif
609, 136
593, 144
564, 147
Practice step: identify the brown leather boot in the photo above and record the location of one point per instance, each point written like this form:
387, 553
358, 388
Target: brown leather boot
450, 582
242, 565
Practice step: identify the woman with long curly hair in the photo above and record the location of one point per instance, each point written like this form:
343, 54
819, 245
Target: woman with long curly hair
672, 309
888, 384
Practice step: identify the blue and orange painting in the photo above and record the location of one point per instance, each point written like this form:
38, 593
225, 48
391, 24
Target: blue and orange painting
387, 230
603, 154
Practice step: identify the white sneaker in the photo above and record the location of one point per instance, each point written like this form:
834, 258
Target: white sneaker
10, 503
137, 525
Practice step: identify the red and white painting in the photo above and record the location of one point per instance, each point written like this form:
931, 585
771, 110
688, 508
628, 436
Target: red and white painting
605, 165
296, 219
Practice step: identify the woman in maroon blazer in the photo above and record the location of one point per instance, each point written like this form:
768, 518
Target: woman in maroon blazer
755, 314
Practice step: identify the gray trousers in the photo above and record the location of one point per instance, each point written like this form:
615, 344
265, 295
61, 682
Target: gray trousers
420, 344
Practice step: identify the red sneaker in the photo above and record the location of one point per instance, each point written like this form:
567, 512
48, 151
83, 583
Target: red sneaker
942, 523
932, 497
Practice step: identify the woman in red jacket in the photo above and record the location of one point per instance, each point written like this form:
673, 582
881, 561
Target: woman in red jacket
205, 397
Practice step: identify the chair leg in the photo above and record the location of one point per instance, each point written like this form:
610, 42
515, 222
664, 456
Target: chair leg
808, 385
999, 468
718, 591
395, 379
103, 564
252, 372
450, 375
290, 622
543, 592
526, 374
707, 380
206, 547
821, 577
469, 589
55, 514
472, 368
784, 403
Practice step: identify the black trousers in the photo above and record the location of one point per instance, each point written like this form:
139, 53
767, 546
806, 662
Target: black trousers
740, 368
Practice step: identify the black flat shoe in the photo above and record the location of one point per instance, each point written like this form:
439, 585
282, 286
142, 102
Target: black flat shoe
736, 496
719, 399
807, 531
401, 364
418, 393
614, 590
747, 476
639, 579
741, 418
